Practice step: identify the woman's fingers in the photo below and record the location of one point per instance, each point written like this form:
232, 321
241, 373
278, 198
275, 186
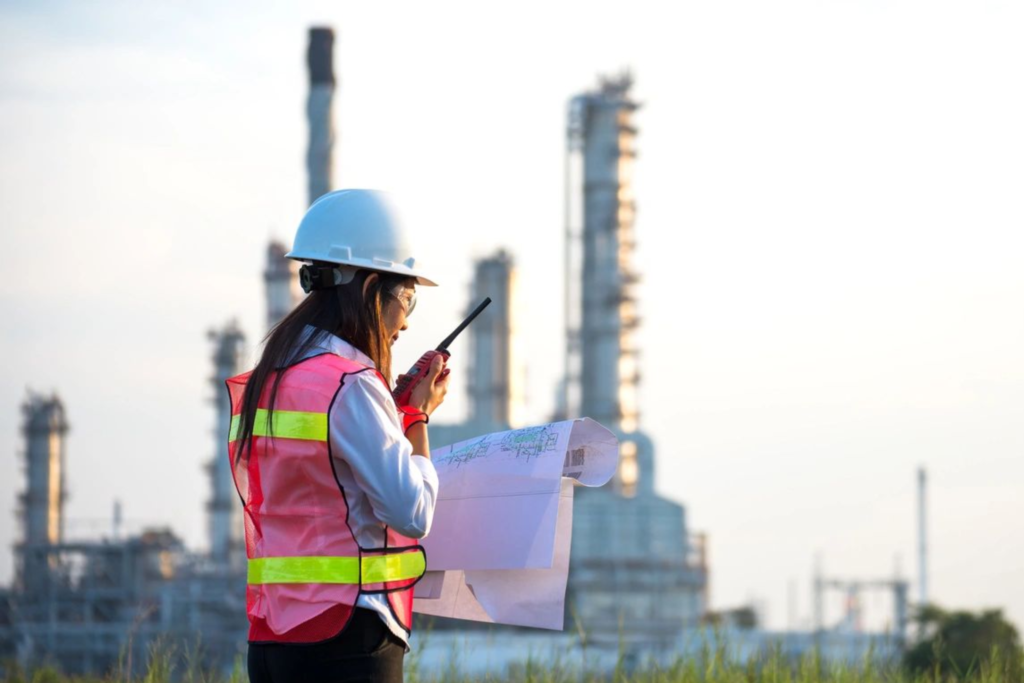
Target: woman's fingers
436, 366
439, 379
430, 392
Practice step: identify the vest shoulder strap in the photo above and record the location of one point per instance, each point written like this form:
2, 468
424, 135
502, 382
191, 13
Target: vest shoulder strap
344, 366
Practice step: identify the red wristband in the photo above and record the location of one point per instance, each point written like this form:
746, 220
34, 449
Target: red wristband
411, 416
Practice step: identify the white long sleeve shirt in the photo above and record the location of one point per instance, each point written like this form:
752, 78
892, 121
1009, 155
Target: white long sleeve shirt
384, 482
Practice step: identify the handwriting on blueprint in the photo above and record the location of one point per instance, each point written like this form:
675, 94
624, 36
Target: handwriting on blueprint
527, 443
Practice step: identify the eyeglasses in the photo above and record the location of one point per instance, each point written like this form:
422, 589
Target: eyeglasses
406, 296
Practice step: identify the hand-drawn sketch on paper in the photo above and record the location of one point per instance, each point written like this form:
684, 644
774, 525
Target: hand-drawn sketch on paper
526, 443
530, 442
468, 451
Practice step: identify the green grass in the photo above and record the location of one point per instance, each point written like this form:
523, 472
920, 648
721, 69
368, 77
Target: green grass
165, 665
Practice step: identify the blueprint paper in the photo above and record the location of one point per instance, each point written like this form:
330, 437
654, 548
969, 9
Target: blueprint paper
539, 594
429, 587
520, 597
593, 453
503, 532
498, 550
501, 490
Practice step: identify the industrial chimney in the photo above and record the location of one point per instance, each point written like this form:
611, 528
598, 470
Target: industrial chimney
922, 537
493, 390
281, 275
282, 282
227, 533
320, 59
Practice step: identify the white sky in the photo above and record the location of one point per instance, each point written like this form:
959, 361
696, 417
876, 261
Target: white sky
830, 240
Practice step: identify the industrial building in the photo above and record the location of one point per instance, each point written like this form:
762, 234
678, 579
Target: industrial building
90, 606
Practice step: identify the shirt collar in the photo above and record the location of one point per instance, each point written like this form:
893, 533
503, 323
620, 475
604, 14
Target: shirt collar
325, 342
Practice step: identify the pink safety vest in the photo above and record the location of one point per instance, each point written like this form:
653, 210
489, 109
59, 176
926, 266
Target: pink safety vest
306, 569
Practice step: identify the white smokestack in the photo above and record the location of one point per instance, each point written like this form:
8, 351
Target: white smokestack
493, 388
922, 536
320, 59
281, 278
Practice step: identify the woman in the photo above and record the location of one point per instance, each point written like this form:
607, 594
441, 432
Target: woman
335, 478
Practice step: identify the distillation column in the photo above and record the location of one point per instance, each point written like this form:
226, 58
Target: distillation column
494, 392
227, 533
44, 429
634, 571
601, 128
320, 59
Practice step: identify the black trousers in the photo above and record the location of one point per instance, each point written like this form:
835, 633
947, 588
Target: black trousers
365, 652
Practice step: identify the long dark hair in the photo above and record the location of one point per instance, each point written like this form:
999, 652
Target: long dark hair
343, 311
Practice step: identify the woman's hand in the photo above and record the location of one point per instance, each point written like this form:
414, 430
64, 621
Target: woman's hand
429, 393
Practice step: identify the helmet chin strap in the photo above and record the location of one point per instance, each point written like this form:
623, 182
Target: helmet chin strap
341, 304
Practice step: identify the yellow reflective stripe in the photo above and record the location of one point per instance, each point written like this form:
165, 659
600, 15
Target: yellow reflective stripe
400, 567
376, 569
304, 570
287, 424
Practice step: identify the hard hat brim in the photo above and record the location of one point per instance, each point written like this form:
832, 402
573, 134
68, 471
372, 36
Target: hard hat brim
364, 264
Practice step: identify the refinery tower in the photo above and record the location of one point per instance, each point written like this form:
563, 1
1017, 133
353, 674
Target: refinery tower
44, 430
636, 573
281, 275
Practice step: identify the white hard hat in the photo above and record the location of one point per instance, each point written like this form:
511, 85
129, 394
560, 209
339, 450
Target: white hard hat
356, 228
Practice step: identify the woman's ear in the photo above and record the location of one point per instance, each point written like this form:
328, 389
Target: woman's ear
370, 279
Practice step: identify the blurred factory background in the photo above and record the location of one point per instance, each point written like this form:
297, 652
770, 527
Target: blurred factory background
639, 575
